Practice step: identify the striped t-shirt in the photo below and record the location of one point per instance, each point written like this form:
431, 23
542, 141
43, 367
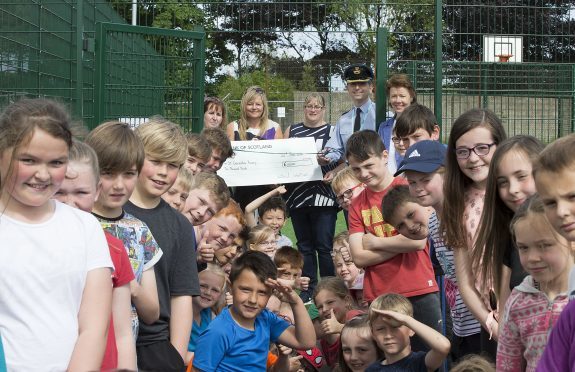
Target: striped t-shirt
313, 193
464, 323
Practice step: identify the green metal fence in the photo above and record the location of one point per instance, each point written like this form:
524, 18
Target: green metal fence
48, 49
298, 46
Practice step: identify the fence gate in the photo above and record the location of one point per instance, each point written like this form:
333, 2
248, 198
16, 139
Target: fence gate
145, 71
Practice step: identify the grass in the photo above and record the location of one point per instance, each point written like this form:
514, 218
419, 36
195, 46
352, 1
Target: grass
287, 230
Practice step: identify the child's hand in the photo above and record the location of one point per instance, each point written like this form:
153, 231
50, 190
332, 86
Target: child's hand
393, 318
229, 299
281, 189
345, 253
205, 249
369, 241
303, 283
294, 361
331, 326
284, 292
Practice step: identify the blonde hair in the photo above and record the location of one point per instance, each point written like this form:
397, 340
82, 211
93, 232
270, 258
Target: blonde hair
556, 157
185, 179
217, 270
473, 363
80, 152
163, 140
259, 233
341, 237
251, 94
341, 178
390, 301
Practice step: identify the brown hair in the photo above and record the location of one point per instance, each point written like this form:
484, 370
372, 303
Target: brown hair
341, 237
210, 102
396, 197
364, 144
493, 235
163, 140
455, 182
219, 141
117, 146
251, 94
390, 301
215, 184
199, 147
557, 156
335, 285
288, 256
20, 119
401, 81
359, 325
415, 116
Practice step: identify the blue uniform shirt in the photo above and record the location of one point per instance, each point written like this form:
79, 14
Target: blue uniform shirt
344, 129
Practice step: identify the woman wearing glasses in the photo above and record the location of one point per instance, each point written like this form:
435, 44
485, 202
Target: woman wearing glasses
312, 205
252, 125
401, 94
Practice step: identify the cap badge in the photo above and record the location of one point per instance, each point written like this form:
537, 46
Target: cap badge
356, 70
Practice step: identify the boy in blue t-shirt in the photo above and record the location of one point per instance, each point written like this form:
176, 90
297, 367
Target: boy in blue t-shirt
238, 339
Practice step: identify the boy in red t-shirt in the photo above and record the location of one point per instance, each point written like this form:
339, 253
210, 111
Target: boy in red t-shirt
392, 262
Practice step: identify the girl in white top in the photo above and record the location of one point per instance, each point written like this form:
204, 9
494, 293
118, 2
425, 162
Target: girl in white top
55, 271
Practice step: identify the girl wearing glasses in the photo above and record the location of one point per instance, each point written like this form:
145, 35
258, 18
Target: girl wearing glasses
312, 205
472, 142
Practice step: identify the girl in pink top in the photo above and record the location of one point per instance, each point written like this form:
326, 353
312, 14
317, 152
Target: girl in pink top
535, 305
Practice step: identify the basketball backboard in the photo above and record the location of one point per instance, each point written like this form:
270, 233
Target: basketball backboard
502, 48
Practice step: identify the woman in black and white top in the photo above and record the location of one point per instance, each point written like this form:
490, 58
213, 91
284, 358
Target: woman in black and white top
312, 205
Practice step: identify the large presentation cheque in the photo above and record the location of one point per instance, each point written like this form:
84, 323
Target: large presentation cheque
272, 162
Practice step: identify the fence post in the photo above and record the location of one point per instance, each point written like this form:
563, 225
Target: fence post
330, 96
79, 102
438, 65
572, 98
381, 76
199, 81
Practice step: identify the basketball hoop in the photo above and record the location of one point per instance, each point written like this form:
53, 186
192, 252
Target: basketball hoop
504, 57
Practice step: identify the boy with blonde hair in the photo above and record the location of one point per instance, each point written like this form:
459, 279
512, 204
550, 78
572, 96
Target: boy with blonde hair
162, 346
178, 193
392, 325
346, 187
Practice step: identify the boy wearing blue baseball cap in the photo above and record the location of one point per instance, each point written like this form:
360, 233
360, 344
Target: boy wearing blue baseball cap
423, 166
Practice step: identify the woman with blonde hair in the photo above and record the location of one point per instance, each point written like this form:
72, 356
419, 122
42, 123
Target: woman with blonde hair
253, 124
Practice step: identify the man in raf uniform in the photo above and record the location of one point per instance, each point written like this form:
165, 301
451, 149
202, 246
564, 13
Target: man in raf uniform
359, 80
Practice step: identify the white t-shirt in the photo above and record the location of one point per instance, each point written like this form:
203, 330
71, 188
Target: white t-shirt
43, 270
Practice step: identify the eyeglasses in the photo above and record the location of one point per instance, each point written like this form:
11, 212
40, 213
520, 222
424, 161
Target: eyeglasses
347, 194
480, 150
268, 243
313, 107
396, 140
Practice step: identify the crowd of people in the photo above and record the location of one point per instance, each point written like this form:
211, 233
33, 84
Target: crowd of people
124, 250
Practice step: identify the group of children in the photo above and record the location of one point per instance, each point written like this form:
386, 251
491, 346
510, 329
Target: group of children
166, 271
